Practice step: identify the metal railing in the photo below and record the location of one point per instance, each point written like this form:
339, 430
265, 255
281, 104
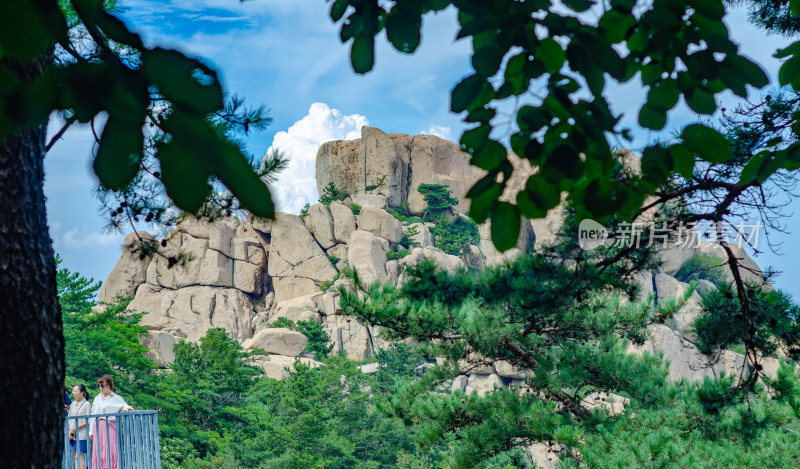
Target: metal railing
126, 440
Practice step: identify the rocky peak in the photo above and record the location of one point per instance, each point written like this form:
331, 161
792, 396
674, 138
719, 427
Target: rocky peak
243, 275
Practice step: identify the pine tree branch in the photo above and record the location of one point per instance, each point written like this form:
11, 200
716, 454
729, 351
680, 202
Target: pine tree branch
568, 401
60, 133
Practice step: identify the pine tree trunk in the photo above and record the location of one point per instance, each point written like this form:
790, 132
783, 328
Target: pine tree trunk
31, 335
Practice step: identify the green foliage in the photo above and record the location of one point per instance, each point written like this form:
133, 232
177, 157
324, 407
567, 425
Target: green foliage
333, 260
355, 208
570, 336
560, 323
703, 266
440, 202
771, 323
330, 193
397, 363
283, 322
408, 232
556, 321
569, 132
669, 307
100, 342
381, 183
187, 91
328, 283
679, 433
319, 342
397, 252
199, 401
304, 211
405, 219
75, 292
774, 16
321, 417
454, 237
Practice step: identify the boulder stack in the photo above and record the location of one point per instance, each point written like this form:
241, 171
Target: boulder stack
243, 275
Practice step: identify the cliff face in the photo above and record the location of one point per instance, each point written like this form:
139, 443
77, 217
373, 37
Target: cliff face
242, 275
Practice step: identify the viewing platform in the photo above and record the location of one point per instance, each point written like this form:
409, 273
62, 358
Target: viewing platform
133, 442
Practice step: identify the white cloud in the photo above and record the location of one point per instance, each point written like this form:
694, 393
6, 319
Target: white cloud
297, 185
441, 131
82, 237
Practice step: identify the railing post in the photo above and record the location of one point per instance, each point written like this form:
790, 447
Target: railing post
136, 441
128, 442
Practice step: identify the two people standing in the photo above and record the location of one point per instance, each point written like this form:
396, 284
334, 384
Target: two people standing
101, 430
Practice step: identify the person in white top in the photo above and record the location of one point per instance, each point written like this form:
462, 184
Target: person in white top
103, 430
78, 436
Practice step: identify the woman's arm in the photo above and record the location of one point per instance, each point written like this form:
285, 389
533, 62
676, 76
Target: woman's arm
123, 406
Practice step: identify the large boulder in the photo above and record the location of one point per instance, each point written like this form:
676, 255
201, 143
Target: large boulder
473, 257
401, 161
683, 320
437, 161
344, 222
367, 256
195, 310
279, 366
292, 240
674, 256
613, 403
247, 277
249, 249
299, 309
318, 269
201, 265
148, 300
421, 234
380, 223
440, 259
130, 271
525, 241
351, 335
483, 384
159, 346
278, 340
646, 281
319, 222
546, 229
212, 269
685, 360
704, 287
667, 287
370, 200
194, 227
290, 287
341, 163
297, 264
508, 370
339, 252
220, 235
277, 266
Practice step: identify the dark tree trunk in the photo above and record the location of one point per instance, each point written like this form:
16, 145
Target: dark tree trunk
31, 336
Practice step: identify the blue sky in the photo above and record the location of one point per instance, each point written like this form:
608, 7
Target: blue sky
287, 56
